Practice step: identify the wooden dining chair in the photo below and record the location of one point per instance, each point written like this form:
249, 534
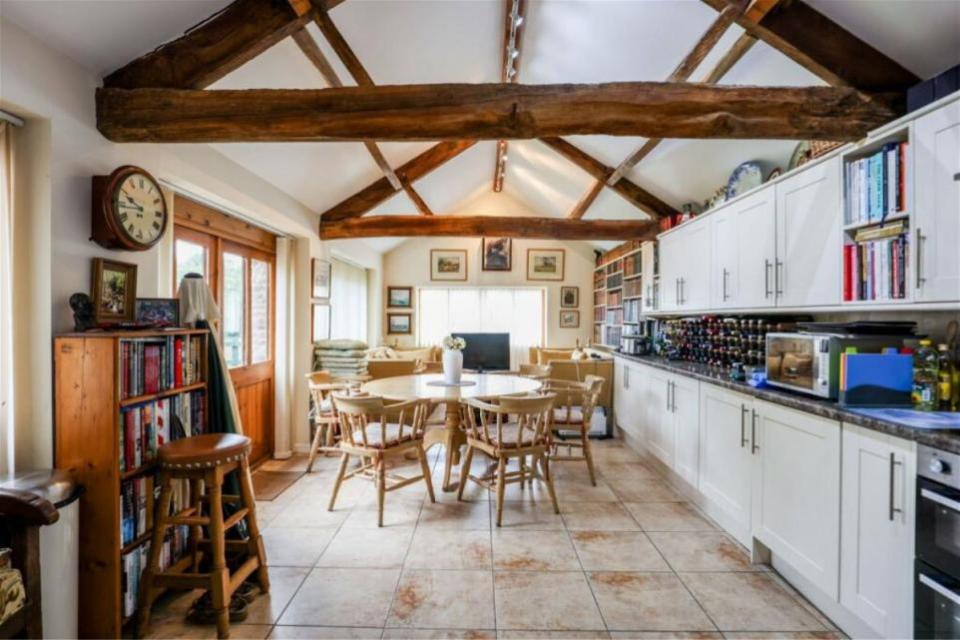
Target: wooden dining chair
375, 431
573, 411
324, 415
514, 427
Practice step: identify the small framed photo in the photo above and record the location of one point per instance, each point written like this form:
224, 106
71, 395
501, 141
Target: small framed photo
114, 291
400, 297
158, 312
545, 264
497, 254
569, 319
569, 297
321, 271
320, 322
448, 264
399, 323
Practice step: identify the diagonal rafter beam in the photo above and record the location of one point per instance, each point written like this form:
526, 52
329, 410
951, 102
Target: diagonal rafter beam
821, 46
489, 112
632, 193
495, 226
380, 191
514, 17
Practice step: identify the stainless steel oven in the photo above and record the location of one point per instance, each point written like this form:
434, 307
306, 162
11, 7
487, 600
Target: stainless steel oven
937, 567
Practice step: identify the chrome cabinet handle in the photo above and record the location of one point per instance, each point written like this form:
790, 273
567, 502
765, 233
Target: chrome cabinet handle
683, 298
766, 278
725, 274
893, 475
919, 243
743, 425
668, 395
778, 278
753, 432
676, 287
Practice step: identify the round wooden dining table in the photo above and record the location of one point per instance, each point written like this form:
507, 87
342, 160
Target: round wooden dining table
485, 386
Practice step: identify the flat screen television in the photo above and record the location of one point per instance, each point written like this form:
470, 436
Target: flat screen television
486, 351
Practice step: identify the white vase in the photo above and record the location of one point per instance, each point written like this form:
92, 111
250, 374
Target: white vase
452, 366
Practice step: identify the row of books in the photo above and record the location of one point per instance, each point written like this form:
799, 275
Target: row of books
148, 426
876, 269
134, 509
152, 365
134, 563
876, 185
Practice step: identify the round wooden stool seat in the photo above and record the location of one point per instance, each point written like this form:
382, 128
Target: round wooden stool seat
203, 452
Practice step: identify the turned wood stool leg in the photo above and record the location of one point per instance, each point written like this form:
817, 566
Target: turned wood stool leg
196, 532
219, 575
254, 540
147, 591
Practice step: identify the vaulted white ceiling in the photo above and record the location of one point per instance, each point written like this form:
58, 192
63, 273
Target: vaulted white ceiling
432, 41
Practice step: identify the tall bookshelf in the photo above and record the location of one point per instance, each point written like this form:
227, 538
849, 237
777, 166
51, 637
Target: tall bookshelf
109, 388
617, 293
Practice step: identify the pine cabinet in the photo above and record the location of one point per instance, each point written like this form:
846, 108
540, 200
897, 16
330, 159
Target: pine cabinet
725, 460
877, 530
796, 490
936, 232
807, 271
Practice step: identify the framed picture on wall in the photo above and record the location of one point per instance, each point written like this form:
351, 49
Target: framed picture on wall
320, 324
569, 319
321, 272
158, 312
497, 254
545, 264
400, 297
569, 297
399, 323
114, 291
448, 264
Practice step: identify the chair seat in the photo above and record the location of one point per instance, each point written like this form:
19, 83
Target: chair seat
208, 450
510, 436
560, 415
374, 436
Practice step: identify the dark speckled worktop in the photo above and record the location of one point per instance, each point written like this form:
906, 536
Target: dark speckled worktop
947, 440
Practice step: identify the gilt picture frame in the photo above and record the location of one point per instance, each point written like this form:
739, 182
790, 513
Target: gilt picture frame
448, 265
400, 297
114, 291
569, 297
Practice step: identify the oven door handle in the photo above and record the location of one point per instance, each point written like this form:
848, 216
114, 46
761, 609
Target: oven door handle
939, 499
939, 588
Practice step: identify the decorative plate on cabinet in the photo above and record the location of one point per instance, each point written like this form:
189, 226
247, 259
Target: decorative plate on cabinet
745, 177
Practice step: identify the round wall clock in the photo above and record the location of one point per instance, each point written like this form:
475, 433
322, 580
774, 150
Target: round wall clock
129, 211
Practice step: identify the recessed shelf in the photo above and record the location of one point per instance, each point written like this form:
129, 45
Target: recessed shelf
900, 215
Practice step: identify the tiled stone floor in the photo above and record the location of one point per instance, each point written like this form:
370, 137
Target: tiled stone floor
626, 559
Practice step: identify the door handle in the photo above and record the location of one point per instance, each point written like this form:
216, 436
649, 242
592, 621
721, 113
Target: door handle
743, 425
682, 296
725, 274
778, 278
668, 395
677, 290
919, 243
753, 432
893, 475
766, 278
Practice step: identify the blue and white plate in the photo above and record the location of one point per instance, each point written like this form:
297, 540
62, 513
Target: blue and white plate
745, 177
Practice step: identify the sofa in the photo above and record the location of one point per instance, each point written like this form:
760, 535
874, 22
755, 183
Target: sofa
563, 367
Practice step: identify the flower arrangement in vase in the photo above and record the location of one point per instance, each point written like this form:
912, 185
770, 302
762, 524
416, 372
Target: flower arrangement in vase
453, 359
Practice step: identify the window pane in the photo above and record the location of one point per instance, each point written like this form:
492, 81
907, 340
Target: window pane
234, 276
259, 311
191, 258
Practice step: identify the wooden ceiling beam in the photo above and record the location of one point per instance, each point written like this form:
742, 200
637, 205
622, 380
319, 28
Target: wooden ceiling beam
821, 46
211, 50
514, 18
496, 226
488, 112
586, 200
380, 191
631, 192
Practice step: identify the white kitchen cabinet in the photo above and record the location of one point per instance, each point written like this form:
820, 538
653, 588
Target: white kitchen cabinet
620, 396
685, 282
877, 530
725, 460
658, 419
725, 236
685, 413
649, 267
935, 145
808, 211
628, 398
796, 490
749, 283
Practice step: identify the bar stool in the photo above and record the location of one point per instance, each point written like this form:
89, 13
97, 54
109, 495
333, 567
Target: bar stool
204, 459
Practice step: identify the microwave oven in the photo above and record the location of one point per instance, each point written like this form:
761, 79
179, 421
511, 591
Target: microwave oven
810, 362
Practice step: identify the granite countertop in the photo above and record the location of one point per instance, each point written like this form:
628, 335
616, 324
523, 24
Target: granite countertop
941, 439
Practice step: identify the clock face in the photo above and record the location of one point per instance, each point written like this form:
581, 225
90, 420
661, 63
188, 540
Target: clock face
139, 209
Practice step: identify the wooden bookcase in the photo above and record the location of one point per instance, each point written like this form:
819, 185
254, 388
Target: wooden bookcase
617, 293
88, 405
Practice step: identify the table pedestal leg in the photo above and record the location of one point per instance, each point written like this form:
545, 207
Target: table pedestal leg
452, 439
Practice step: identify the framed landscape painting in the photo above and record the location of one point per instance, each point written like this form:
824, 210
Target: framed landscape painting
497, 254
448, 264
399, 323
114, 291
400, 297
545, 264
569, 297
569, 319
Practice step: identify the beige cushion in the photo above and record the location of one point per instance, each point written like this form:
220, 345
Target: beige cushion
374, 435
560, 415
381, 353
510, 436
